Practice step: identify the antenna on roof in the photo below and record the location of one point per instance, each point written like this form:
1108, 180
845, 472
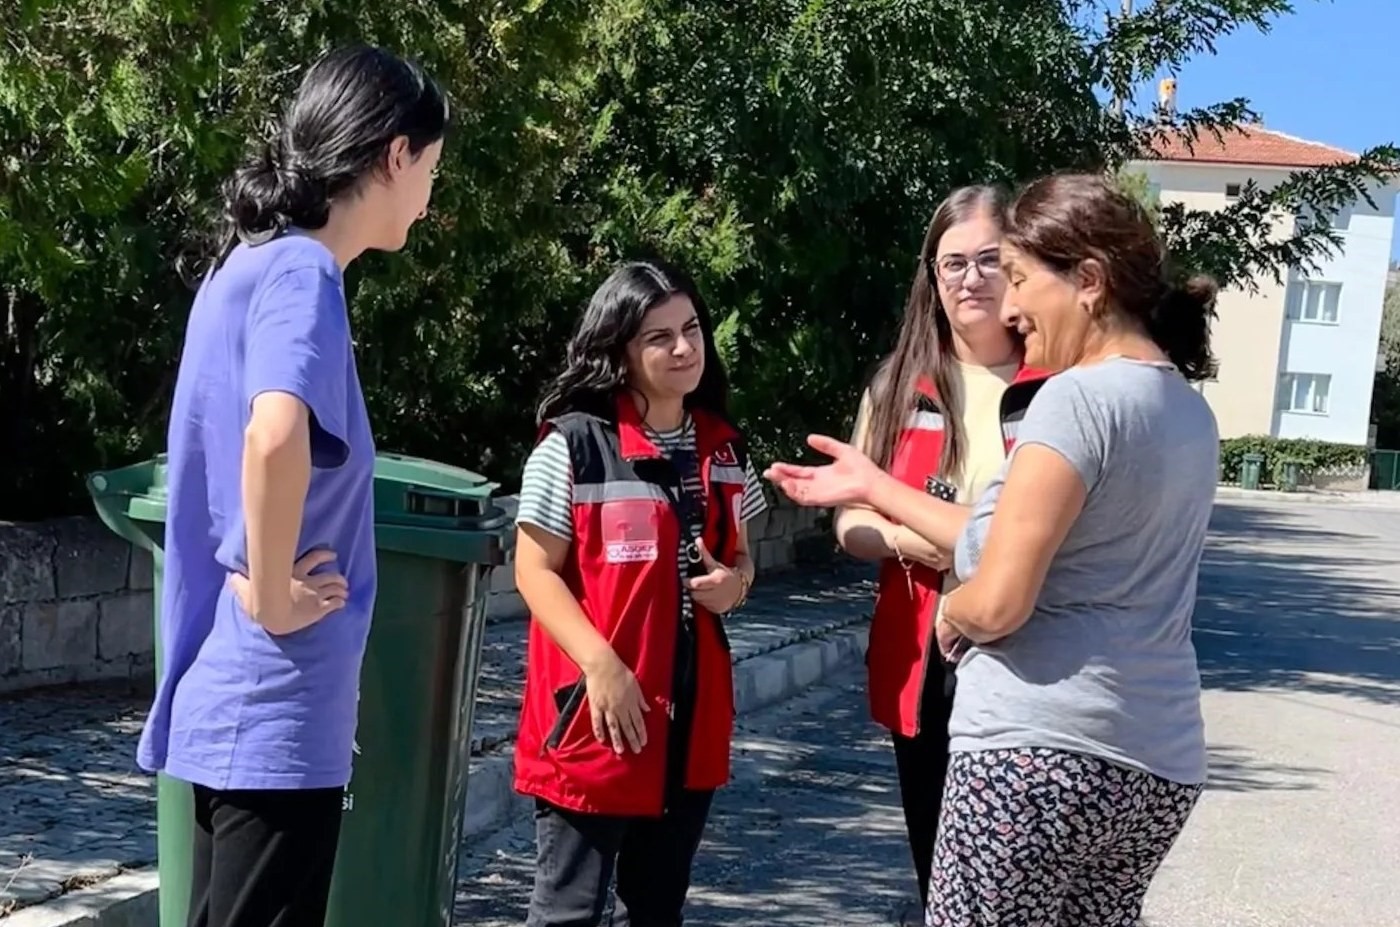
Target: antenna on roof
1166, 99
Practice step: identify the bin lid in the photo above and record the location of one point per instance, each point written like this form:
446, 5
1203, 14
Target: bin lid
414, 491
420, 506
430, 509
140, 491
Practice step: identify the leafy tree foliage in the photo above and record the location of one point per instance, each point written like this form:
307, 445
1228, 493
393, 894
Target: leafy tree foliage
788, 152
1385, 397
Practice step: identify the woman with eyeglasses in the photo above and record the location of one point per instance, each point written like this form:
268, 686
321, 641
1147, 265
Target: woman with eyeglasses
1078, 748
940, 414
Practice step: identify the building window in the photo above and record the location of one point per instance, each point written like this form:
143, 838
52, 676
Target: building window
1304, 392
1339, 219
1315, 301
1232, 191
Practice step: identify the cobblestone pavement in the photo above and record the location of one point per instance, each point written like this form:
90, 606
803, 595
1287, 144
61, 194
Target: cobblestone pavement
1298, 635
75, 810
808, 833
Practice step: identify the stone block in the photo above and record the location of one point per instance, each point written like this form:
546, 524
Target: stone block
11, 620
89, 559
126, 626
26, 563
59, 635
779, 522
141, 574
774, 553
758, 525
784, 553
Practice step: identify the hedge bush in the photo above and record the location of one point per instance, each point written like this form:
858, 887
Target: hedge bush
1314, 457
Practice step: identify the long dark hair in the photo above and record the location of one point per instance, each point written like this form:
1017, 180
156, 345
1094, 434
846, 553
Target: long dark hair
595, 362
1066, 219
925, 345
351, 104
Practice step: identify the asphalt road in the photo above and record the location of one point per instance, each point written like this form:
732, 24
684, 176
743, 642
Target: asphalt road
1298, 632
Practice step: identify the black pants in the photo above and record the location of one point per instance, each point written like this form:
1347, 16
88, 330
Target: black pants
579, 853
922, 762
263, 859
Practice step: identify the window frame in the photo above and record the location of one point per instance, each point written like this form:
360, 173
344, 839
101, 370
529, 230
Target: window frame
1298, 301
1288, 393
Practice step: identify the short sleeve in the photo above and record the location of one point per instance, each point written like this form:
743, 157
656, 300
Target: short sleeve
754, 502
1066, 418
547, 488
298, 342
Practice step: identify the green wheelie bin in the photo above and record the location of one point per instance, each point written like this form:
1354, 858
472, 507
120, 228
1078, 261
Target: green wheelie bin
1251, 469
438, 534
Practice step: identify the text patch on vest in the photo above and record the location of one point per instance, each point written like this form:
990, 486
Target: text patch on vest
631, 531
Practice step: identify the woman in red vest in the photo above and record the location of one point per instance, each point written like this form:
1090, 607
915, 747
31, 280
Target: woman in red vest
940, 414
631, 549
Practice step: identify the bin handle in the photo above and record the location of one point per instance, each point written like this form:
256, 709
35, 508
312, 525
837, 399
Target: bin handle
122, 527
420, 501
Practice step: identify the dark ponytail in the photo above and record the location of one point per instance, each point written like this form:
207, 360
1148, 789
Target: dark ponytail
1180, 325
1066, 219
269, 195
350, 106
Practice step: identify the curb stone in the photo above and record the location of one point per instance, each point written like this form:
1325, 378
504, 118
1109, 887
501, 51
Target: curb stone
1357, 499
126, 900
131, 898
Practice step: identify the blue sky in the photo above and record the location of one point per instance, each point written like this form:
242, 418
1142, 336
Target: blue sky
1326, 72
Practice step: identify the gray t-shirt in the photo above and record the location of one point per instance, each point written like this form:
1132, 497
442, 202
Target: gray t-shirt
1105, 664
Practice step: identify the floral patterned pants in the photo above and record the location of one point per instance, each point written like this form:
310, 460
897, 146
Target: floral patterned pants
1045, 838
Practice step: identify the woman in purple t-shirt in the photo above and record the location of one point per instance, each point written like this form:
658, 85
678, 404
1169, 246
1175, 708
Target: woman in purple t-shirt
269, 578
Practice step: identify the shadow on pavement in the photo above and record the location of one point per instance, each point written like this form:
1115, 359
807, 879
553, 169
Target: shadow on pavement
806, 835
1237, 769
1285, 606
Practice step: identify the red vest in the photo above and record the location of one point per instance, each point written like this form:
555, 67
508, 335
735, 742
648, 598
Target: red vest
901, 631
623, 570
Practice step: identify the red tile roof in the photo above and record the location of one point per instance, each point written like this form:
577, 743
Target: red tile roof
1249, 144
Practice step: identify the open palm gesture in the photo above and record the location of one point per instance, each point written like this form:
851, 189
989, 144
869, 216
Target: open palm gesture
845, 481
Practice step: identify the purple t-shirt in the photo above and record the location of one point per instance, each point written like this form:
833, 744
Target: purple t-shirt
237, 707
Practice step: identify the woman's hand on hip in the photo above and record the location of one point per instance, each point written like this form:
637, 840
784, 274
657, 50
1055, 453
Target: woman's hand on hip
312, 596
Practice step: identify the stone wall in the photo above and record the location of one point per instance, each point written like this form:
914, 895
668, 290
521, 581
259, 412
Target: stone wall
76, 604
1348, 479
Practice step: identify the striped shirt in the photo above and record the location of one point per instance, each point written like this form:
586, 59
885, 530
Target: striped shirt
547, 487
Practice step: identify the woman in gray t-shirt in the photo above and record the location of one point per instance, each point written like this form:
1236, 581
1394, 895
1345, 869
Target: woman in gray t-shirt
1078, 746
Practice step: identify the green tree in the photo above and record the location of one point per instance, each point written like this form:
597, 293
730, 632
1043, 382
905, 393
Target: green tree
788, 152
120, 119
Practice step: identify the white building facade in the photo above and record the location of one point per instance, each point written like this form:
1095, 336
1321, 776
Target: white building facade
1297, 358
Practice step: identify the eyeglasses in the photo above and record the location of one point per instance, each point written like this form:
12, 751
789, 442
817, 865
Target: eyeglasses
952, 268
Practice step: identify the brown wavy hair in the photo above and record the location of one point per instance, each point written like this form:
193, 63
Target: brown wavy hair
925, 345
1066, 219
